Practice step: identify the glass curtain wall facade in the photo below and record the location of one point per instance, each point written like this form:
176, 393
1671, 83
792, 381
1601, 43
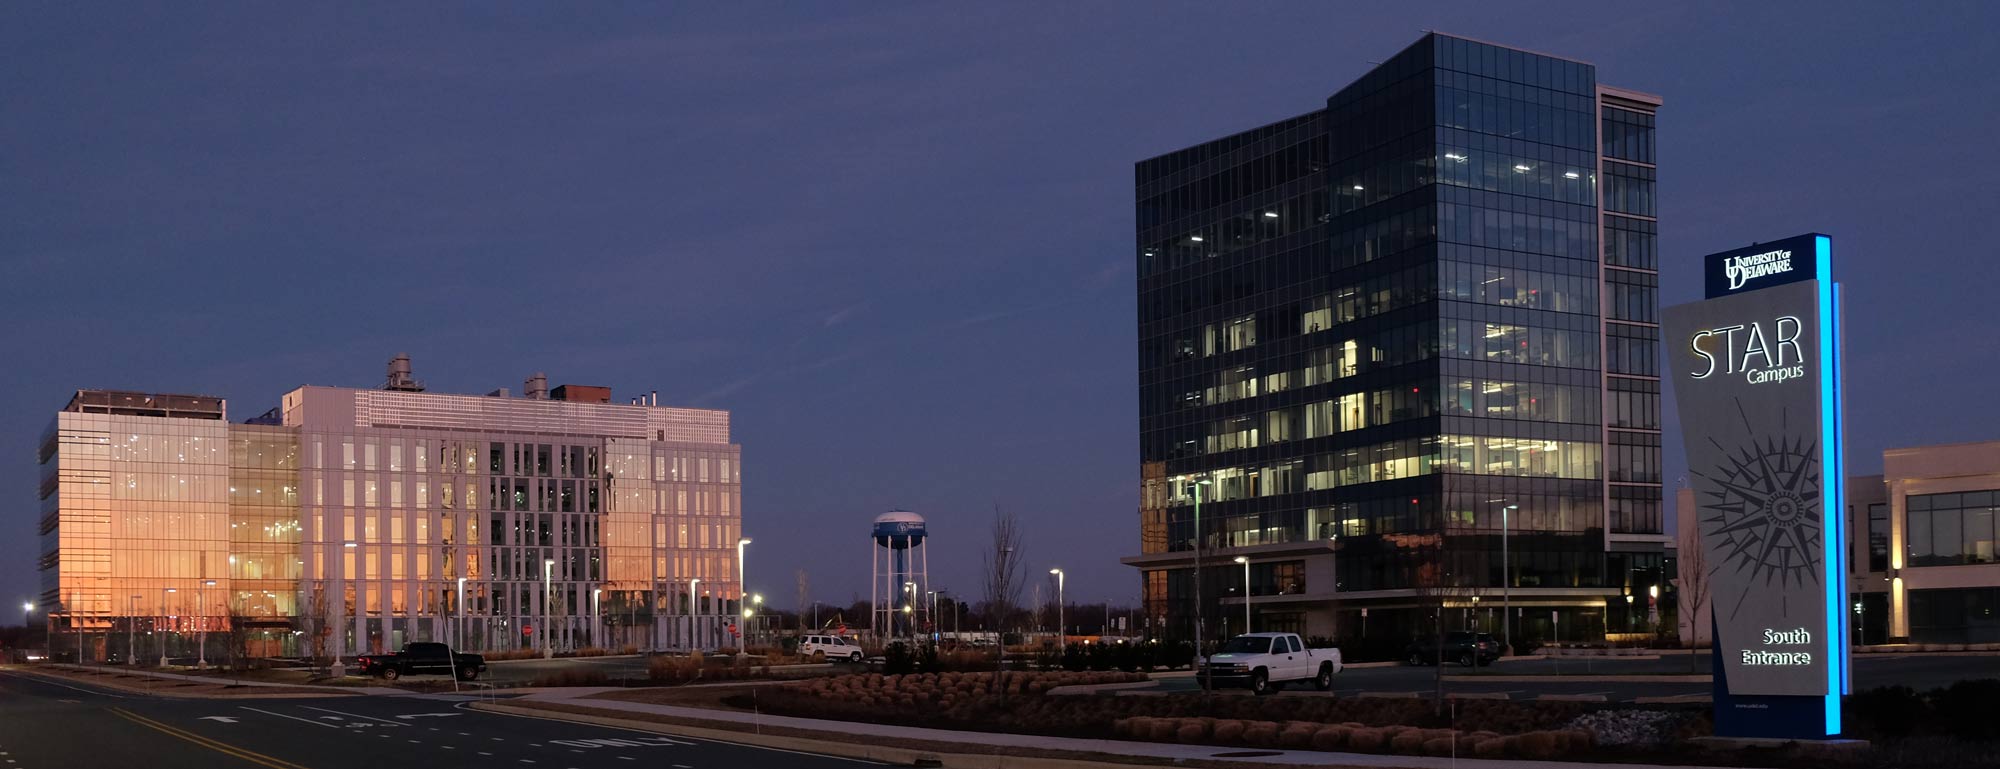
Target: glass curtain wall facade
1367, 334
356, 524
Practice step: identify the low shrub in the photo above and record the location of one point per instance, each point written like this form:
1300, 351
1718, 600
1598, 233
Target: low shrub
1410, 741
1228, 732
1540, 746
1192, 730
572, 678
1965, 709
1330, 738
1261, 734
1366, 740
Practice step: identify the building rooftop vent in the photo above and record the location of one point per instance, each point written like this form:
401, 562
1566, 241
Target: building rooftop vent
399, 375
536, 387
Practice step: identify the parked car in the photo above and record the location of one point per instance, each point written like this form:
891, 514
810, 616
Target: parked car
1465, 648
829, 647
421, 658
1265, 662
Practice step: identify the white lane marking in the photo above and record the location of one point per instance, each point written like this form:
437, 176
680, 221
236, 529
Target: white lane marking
696, 742
484, 753
447, 747
294, 718
627, 758
427, 715
465, 734
682, 766
527, 760
224, 719
70, 701
356, 716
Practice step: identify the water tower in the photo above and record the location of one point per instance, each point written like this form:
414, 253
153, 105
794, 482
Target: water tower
898, 606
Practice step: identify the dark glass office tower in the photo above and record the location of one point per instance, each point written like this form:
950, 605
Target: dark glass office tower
1386, 341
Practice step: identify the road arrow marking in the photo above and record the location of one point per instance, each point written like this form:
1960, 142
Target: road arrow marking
224, 719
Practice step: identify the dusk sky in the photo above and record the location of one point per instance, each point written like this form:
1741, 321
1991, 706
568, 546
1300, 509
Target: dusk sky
895, 240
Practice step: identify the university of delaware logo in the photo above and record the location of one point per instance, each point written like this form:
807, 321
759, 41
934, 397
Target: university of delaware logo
1740, 269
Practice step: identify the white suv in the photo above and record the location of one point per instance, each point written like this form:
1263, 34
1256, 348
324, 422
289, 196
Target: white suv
829, 647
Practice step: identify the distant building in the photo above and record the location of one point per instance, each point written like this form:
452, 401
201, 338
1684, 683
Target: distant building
354, 514
1922, 563
1374, 336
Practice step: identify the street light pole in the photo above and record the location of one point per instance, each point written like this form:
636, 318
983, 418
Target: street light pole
596, 617
164, 592
548, 612
741, 591
1246, 591
1507, 583
691, 600
131, 631
458, 631
1062, 631
200, 617
1197, 572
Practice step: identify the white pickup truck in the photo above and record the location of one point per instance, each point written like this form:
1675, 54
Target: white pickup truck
1264, 662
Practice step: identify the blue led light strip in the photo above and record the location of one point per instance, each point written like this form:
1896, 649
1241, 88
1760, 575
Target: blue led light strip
1833, 503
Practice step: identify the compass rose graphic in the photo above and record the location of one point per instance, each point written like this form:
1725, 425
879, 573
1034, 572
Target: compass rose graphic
1761, 514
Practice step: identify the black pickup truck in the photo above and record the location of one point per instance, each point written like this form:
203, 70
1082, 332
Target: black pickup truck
420, 658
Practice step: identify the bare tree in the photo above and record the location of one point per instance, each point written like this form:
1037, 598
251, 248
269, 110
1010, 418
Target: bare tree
1003, 572
1692, 594
1436, 588
314, 623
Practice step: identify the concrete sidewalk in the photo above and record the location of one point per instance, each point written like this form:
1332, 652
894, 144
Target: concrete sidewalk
997, 745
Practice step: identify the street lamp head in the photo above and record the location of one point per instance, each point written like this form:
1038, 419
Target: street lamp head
1057, 572
743, 541
1654, 591
1241, 559
757, 598
1204, 482
27, 607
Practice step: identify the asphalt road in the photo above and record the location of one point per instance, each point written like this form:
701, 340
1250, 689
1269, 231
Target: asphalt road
1583, 676
53, 723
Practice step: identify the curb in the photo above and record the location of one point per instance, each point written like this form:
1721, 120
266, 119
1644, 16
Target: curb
1095, 688
900, 756
120, 686
1571, 698
1678, 699
1631, 679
